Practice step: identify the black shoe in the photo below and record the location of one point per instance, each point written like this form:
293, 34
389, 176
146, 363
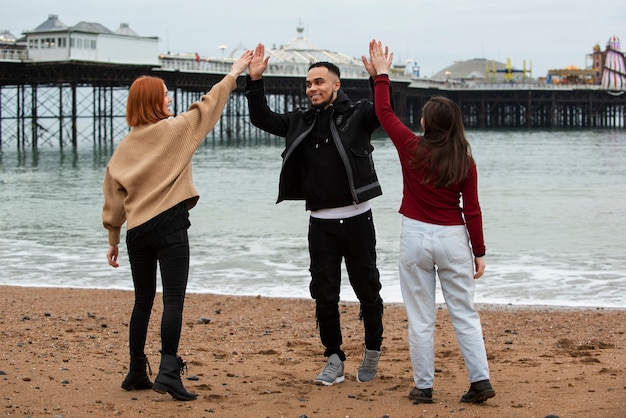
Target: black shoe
421, 395
478, 392
168, 379
137, 378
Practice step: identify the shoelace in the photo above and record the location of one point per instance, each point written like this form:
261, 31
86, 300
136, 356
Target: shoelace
331, 369
149, 368
183, 368
369, 364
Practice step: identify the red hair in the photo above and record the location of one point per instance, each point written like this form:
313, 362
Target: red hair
145, 101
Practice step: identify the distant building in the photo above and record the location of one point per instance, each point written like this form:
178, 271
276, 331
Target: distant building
296, 56
614, 71
606, 69
481, 70
53, 40
609, 59
11, 48
293, 58
7, 39
572, 75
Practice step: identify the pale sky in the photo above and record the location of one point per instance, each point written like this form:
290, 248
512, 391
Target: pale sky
434, 33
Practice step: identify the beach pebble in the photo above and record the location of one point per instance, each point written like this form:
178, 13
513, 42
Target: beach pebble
203, 320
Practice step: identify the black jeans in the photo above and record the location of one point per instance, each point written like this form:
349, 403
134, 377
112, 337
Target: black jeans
172, 254
353, 239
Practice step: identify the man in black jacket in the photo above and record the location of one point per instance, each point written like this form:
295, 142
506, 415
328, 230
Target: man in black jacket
328, 163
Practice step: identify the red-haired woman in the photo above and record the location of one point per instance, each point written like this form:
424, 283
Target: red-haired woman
438, 172
148, 185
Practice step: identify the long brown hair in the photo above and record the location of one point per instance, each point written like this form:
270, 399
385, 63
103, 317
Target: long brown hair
145, 101
443, 152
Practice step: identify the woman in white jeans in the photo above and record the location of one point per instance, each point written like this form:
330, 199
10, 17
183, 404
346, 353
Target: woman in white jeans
440, 236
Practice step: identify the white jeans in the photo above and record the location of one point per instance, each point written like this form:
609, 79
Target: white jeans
428, 250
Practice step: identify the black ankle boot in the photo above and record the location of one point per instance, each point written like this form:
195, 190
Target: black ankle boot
479, 392
137, 378
168, 379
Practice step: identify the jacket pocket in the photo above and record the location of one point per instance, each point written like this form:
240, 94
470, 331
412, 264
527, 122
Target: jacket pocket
363, 161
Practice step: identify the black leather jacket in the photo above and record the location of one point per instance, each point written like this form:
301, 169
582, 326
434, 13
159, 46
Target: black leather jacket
351, 127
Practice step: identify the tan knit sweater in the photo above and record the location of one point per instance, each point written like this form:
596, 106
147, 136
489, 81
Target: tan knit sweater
150, 171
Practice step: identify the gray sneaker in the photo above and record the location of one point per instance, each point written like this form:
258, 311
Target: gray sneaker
369, 367
332, 373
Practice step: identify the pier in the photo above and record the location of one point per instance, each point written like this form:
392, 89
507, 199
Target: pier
530, 106
65, 86
68, 104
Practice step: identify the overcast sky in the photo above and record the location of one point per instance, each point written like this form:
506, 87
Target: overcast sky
435, 33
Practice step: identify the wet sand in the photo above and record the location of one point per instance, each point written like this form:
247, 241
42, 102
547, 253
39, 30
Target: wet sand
64, 353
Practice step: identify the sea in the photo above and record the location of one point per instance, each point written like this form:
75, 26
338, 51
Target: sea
553, 202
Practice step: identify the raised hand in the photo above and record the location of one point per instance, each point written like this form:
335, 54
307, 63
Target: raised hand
380, 59
241, 64
259, 62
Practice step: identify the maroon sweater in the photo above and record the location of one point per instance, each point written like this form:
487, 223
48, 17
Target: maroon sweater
425, 202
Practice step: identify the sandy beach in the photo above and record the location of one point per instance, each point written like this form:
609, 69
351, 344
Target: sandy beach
64, 353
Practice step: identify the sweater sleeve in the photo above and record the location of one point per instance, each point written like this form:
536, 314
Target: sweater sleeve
472, 212
399, 134
202, 115
113, 213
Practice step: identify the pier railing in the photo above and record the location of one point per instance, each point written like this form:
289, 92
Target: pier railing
188, 62
13, 55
